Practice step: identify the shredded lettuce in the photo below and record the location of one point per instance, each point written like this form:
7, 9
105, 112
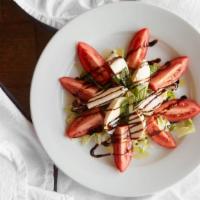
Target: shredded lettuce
119, 52
85, 139
170, 95
183, 128
130, 97
140, 148
154, 68
163, 123
139, 93
70, 115
97, 137
100, 137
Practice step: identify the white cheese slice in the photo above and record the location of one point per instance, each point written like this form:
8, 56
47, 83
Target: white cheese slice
113, 113
118, 65
148, 105
137, 124
142, 74
104, 97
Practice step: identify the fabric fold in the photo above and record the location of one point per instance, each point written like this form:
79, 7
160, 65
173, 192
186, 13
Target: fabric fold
26, 172
58, 13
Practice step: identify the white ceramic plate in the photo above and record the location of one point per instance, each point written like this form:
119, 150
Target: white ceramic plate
110, 27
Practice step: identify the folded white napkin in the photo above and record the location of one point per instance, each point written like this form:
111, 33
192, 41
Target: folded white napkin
18, 140
57, 12
26, 172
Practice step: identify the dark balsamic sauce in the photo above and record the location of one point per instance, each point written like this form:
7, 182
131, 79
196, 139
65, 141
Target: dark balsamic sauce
92, 152
167, 63
183, 97
152, 43
97, 98
114, 140
157, 60
105, 144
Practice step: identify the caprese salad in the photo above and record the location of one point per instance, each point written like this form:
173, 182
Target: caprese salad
122, 102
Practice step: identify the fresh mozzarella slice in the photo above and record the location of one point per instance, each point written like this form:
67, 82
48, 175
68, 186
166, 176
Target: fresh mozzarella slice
118, 65
104, 97
113, 113
142, 74
137, 124
148, 105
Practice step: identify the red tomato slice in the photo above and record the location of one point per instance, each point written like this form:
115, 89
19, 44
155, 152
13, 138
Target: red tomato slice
164, 139
169, 74
166, 105
86, 123
78, 88
93, 63
122, 147
179, 109
137, 49
152, 125
161, 137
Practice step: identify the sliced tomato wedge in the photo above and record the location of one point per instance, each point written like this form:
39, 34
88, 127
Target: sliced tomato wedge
179, 109
122, 147
86, 123
137, 49
169, 74
93, 63
161, 137
164, 139
78, 88
166, 105
152, 125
